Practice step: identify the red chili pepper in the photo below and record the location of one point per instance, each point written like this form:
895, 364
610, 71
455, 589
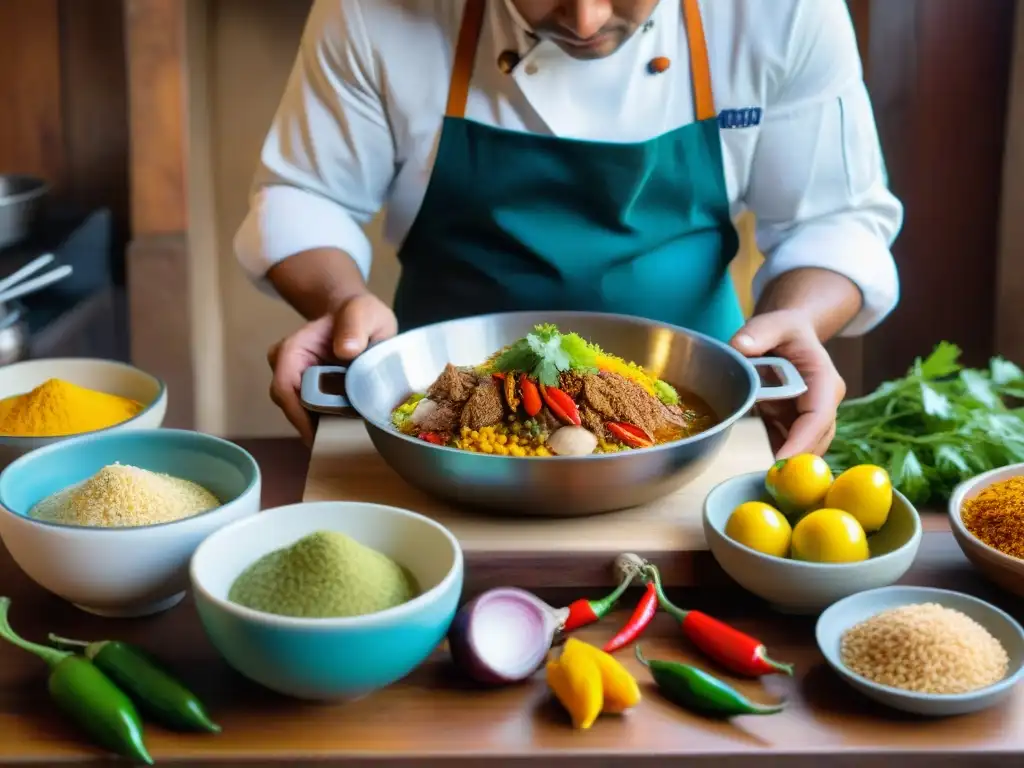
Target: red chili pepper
734, 650
561, 405
498, 375
433, 437
531, 397
583, 612
629, 434
638, 622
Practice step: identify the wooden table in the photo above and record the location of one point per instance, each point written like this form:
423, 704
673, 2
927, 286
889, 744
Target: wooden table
433, 718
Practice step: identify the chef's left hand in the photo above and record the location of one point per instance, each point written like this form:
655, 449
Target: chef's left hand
808, 423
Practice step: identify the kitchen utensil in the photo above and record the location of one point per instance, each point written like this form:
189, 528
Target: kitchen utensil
792, 586
834, 622
26, 271
44, 280
325, 659
384, 376
103, 375
542, 552
133, 571
1001, 569
20, 197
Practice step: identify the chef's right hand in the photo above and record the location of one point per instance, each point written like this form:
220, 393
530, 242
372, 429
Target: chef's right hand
333, 338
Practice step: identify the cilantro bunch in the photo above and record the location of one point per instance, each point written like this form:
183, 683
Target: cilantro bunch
935, 427
546, 353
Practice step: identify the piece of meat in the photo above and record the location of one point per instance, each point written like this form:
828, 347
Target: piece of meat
443, 418
672, 415
453, 385
547, 420
592, 420
616, 398
484, 408
571, 383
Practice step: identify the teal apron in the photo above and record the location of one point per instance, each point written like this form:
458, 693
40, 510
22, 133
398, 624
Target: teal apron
518, 221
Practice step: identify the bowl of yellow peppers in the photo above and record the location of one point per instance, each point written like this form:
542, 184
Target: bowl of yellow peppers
802, 538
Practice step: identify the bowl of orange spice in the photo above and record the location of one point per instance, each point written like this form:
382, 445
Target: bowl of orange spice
48, 400
986, 514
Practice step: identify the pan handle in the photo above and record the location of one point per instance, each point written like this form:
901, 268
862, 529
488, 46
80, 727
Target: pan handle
314, 398
792, 383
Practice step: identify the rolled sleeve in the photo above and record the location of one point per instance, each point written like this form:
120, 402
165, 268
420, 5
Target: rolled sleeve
328, 158
283, 221
818, 186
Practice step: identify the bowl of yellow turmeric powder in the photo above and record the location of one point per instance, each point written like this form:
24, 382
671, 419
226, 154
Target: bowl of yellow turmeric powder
986, 515
48, 400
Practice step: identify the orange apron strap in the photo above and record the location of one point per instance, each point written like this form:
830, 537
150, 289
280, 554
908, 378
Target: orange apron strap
700, 70
465, 54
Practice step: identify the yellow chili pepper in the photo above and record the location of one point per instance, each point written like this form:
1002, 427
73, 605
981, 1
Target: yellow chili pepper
576, 683
620, 688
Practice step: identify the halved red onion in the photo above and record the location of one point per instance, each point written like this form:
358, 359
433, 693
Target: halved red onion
503, 635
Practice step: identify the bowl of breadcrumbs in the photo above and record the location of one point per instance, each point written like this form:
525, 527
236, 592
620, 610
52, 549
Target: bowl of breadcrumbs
922, 650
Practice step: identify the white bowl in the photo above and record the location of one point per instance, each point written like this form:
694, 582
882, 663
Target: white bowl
122, 571
107, 376
1003, 570
862, 606
794, 586
329, 659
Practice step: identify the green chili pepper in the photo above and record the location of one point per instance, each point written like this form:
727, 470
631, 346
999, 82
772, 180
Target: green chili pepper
696, 689
86, 695
155, 692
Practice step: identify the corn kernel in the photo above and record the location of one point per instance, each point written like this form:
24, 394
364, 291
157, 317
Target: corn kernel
542, 451
501, 450
487, 448
501, 439
474, 434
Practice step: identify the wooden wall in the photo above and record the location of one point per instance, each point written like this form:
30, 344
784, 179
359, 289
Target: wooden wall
938, 72
63, 99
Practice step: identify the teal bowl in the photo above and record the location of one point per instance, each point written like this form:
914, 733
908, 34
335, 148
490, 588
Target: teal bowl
124, 571
793, 586
329, 659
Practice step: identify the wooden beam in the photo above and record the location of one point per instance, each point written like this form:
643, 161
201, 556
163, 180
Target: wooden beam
158, 259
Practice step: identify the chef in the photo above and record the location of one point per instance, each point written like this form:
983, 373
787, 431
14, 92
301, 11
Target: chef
578, 154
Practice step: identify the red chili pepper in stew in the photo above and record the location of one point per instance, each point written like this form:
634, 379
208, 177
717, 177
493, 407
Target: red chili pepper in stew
531, 396
629, 434
638, 622
433, 437
734, 650
583, 612
561, 405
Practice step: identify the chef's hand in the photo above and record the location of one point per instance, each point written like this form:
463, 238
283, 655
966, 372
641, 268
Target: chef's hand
808, 423
333, 338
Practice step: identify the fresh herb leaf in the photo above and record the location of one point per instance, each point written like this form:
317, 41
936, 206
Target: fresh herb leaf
935, 427
943, 361
1004, 372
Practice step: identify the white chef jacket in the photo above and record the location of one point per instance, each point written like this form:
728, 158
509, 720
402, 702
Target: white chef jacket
360, 120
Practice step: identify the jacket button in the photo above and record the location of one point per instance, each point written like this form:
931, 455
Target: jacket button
507, 61
658, 64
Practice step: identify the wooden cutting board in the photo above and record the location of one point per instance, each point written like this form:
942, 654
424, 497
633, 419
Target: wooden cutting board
541, 552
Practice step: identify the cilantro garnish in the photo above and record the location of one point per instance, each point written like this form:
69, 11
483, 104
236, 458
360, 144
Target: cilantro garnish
935, 427
546, 353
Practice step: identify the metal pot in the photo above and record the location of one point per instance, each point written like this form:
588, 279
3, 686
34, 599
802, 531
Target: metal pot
386, 374
20, 197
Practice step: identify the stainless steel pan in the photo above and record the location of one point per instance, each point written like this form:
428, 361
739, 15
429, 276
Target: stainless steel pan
387, 373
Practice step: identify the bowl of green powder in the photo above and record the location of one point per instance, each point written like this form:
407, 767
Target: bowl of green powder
328, 601
109, 521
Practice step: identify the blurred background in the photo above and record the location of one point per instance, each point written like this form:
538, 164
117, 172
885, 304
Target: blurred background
130, 131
